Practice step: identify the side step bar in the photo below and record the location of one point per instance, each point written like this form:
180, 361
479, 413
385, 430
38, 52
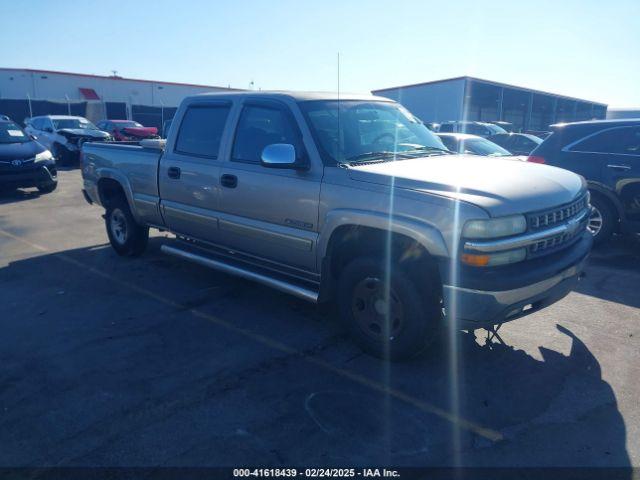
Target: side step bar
283, 286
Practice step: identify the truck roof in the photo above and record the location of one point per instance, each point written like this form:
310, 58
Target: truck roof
297, 96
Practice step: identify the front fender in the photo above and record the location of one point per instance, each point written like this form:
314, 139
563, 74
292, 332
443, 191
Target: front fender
426, 235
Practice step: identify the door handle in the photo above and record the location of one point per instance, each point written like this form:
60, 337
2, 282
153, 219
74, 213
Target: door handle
173, 172
619, 167
229, 181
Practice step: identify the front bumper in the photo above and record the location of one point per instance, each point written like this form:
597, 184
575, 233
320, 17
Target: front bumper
40, 174
547, 280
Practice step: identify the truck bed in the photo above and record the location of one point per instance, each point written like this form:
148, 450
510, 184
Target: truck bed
134, 164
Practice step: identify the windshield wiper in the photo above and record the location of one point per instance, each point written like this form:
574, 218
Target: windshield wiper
429, 149
372, 156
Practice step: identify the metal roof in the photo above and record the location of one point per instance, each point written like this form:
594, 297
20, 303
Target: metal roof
491, 82
112, 77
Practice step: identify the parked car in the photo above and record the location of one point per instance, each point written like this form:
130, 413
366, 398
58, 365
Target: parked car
516, 143
293, 190
482, 129
506, 126
607, 154
127, 130
23, 161
474, 145
64, 135
541, 134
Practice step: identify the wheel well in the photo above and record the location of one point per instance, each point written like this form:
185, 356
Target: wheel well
109, 190
350, 241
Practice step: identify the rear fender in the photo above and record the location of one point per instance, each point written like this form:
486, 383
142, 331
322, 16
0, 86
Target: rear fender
124, 183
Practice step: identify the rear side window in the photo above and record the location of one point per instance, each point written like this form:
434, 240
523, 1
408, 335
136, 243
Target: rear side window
201, 130
624, 140
261, 126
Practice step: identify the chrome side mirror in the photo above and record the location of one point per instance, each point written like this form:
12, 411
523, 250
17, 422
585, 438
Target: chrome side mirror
280, 155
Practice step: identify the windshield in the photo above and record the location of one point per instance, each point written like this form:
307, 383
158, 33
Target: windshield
60, 123
11, 133
482, 146
349, 131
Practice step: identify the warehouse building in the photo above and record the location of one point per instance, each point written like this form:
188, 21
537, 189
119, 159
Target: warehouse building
26, 93
473, 99
622, 113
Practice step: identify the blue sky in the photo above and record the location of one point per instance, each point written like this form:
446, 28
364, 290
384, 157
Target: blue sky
588, 49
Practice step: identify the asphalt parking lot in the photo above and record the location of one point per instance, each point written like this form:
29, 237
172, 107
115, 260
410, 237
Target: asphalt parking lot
111, 361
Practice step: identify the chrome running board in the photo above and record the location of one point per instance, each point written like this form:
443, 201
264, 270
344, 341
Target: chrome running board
281, 285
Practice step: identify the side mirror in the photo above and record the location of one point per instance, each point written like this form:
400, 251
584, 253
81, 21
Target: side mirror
280, 155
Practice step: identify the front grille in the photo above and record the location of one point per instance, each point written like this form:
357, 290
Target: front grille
558, 242
539, 221
555, 216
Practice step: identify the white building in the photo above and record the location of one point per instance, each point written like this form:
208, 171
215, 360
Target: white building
27, 92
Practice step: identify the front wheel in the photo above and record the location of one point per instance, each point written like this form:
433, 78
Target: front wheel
126, 236
389, 316
602, 221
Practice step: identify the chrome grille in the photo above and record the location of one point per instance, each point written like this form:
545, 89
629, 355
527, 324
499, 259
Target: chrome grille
552, 217
557, 242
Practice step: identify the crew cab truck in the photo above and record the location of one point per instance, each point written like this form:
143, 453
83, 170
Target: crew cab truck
349, 199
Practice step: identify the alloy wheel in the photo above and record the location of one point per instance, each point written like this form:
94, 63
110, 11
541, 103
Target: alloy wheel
595, 221
118, 225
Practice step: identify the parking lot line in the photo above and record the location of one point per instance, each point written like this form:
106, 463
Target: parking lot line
459, 422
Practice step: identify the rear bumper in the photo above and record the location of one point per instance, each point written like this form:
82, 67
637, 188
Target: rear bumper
33, 177
477, 308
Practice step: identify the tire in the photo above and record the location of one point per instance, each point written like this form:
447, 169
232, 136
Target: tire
48, 188
415, 312
603, 220
126, 236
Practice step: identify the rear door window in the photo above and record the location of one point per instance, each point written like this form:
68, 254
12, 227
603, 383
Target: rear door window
201, 130
614, 140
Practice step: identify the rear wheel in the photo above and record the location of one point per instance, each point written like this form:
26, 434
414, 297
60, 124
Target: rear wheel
48, 188
390, 320
126, 236
603, 219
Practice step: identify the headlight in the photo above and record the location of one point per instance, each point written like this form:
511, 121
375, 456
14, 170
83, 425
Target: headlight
495, 227
42, 156
494, 259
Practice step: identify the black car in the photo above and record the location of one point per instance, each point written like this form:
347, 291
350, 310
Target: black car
516, 143
23, 161
607, 154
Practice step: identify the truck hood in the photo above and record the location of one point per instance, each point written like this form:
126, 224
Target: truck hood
501, 187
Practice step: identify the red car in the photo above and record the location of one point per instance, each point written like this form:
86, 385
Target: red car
127, 130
